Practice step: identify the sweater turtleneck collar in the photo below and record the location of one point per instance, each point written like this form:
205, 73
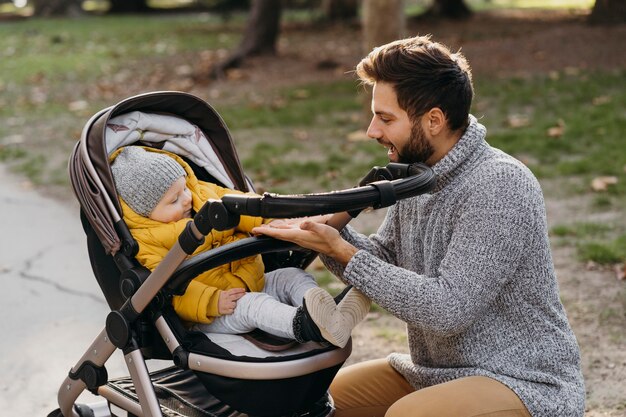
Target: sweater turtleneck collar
470, 145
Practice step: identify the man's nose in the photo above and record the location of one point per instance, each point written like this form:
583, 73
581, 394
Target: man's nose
373, 131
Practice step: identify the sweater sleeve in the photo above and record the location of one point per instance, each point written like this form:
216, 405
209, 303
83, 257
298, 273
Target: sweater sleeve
380, 244
487, 242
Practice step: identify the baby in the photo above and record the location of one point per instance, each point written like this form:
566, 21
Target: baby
159, 193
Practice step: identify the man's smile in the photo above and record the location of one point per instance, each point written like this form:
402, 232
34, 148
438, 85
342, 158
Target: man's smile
391, 150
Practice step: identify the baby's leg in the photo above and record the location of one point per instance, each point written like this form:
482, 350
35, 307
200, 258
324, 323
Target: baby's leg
288, 285
255, 310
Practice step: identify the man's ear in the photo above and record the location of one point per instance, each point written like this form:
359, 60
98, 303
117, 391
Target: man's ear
435, 121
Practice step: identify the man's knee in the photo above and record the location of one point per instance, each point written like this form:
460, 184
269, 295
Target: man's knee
464, 397
405, 408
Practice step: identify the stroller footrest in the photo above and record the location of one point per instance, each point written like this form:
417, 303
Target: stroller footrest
182, 394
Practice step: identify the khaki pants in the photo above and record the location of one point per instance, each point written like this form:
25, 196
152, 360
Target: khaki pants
375, 389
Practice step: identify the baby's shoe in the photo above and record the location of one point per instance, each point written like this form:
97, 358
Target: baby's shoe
320, 319
354, 306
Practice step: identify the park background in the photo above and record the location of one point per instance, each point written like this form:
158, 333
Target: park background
550, 88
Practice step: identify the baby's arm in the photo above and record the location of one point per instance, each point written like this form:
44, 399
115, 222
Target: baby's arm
228, 300
199, 303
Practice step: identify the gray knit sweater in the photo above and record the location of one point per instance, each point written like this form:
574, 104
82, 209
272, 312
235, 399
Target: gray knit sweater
469, 269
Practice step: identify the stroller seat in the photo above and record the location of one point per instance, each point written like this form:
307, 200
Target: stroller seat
215, 375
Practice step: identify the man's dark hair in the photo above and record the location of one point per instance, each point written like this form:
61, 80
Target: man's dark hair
424, 74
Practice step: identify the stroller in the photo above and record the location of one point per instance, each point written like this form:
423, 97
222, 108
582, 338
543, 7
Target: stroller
224, 375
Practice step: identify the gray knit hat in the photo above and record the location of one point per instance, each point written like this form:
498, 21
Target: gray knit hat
143, 177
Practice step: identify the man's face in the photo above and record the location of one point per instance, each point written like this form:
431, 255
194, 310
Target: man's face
391, 126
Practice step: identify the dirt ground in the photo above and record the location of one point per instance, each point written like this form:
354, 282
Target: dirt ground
496, 44
499, 43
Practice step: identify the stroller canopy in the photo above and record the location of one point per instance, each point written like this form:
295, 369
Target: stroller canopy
174, 121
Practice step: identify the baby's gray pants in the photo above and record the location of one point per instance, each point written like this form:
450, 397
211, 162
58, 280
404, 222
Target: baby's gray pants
272, 310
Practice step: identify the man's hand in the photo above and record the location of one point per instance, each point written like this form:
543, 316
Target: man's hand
228, 300
311, 235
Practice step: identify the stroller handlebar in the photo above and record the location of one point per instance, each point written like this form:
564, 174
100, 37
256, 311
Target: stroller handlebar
382, 187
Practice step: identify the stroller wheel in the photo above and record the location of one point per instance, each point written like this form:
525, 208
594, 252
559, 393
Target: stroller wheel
82, 410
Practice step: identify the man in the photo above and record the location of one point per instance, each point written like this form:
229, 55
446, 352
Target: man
467, 267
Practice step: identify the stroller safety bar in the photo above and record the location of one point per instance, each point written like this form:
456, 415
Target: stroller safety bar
240, 249
376, 194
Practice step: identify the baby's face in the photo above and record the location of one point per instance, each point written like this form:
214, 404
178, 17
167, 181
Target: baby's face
175, 204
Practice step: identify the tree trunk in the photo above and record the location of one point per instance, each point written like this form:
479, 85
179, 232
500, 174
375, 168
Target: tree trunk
263, 28
260, 36
340, 10
128, 6
451, 9
47, 8
383, 22
606, 12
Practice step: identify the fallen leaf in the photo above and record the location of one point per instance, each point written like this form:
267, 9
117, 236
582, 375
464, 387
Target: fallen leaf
517, 121
235, 75
620, 272
302, 93
558, 130
602, 183
183, 70
598, 101
78, 105
278, 103
554, 75
358, 136
301, 134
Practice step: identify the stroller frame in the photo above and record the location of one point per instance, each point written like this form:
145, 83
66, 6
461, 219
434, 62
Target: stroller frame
144, 291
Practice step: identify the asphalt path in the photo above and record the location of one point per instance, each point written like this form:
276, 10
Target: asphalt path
51, 305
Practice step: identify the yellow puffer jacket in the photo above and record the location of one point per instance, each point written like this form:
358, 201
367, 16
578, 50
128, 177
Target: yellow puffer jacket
199, 303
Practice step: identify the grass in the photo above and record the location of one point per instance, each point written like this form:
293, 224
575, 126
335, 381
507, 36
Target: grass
604, 252
305, 105
55, 73
596, 242
571, 123
47, 66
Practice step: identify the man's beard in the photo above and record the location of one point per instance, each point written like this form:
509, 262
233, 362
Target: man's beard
417, 149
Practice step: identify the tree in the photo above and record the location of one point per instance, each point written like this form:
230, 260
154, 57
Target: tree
338, 10
57, 7
260, 36
128, 6
608, 12
447, 9
383, 22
